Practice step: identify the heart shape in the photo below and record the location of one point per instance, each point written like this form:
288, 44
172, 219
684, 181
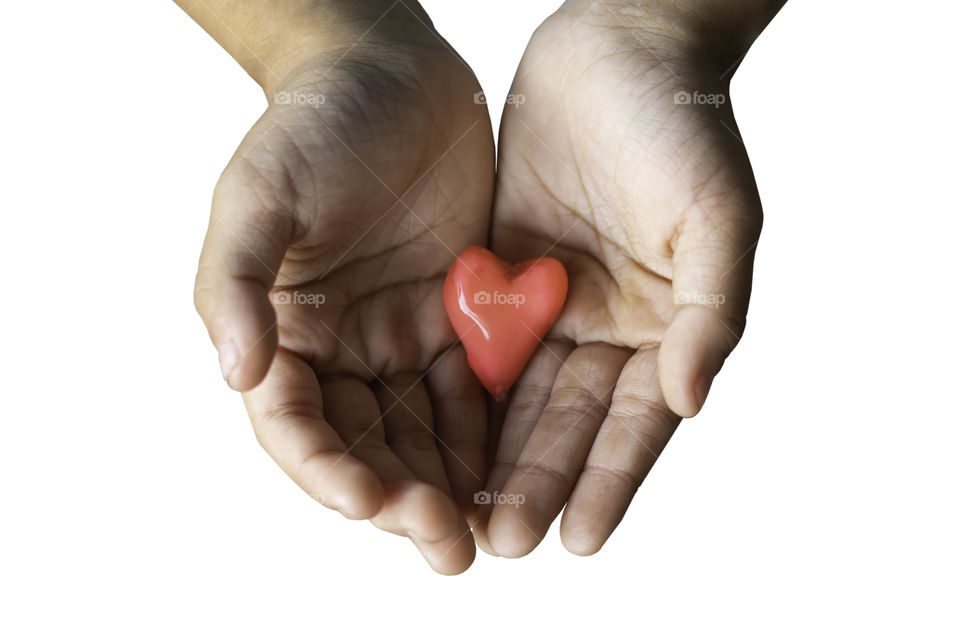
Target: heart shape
502, 311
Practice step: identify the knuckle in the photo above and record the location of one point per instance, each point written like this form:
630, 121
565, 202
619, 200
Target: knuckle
289, 411
635, 409
608, 474
542, 471
525, 408
532, 390
527, 402
579, 402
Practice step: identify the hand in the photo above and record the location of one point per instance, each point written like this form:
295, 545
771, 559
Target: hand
650, 203
321, 275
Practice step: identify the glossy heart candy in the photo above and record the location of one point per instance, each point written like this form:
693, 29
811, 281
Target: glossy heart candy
501, 311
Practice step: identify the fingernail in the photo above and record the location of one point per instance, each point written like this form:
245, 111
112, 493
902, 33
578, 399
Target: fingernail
702, 388
229, 357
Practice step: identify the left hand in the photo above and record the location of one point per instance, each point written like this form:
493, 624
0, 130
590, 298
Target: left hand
651, 205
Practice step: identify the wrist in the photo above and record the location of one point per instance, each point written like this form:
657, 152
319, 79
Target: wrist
273, 38
331, 28
716, 32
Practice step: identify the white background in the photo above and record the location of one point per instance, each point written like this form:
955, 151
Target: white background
815, 496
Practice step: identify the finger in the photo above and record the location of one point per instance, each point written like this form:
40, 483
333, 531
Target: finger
630, 440
713, 269
460, 412
416, 510
452, 555
248, 235
287, 415
408, 428
445, 543
445, 540
410, 507
407, 424
554, 454
526, 404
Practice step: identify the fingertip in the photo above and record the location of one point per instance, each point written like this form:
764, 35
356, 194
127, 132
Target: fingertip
245, 372
681, 401
453, 569
594, 512
242, 325
439, 523
229, 359
479, 528
702, 388
251, 369
580, 536
437, 516
581, 545
677, 390
691, 353
451, 556
457, 559
508, 535
340, 482
365, 496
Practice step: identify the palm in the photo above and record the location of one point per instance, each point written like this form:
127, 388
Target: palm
390, 180
377, 174
600, 168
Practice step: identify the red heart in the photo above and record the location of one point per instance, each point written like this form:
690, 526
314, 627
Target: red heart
501, 311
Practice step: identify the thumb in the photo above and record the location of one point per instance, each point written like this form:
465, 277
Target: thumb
245, 243
713, 271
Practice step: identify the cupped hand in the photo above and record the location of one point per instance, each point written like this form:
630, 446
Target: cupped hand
620, 157
320, 282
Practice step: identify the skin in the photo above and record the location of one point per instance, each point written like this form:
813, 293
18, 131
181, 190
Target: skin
653, 208
332, 227
320, 279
